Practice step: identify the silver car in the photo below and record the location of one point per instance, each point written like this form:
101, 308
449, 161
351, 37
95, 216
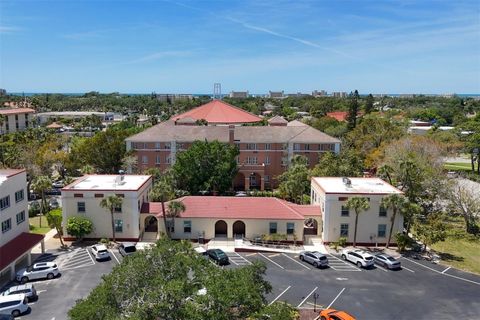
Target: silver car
315, 258
15, 304
27, 289
39, 270
100, 252
387, 261
127, 248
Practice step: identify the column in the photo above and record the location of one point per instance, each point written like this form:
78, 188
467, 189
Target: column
29, 258
43, 245
247, 183
262, 183
12, 271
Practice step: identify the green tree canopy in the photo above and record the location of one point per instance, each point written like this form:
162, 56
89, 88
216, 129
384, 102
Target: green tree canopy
165, 282
395, 202
352, 110
79, 227
295, 182
346, 164
207, 166
54, 219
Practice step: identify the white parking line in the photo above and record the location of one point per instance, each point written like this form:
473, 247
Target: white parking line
344, 264
446, 270
445, 274
247, 261
280, 295
296, 261
303, 301
271, 261
233, 261
113, 254
381, 268
338, 295
408, 269
93, 260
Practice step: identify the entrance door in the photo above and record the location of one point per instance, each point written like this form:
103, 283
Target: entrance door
220, 229
238, 229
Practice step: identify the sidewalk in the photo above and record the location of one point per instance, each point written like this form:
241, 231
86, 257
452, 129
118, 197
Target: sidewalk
50, 242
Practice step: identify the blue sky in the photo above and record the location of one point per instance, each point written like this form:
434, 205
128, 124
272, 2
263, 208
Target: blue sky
141, 46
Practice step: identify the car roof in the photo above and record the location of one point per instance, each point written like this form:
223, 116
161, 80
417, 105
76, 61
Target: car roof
21, 287
199, 249
44, 264
100, 246
128, 244
216, 250
341, 314
12, 297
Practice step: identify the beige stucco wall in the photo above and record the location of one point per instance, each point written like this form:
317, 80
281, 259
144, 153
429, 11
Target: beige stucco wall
100, 217
368, 220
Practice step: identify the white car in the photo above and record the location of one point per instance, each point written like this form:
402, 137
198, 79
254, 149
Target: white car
39, 270
14, 304
100, 252
359, 257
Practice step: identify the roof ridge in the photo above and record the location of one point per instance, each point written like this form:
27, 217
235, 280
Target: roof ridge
290, 208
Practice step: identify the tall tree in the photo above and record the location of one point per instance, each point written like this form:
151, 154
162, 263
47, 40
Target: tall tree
295, 182
175, 208
40, 185
395, 202
369, 104
431, 229
465, 202
163, 191
346, 164
358, 204
110, 203
206, 166
54, 219
352, 110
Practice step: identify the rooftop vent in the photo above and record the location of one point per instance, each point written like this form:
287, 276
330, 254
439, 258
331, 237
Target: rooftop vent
347, 182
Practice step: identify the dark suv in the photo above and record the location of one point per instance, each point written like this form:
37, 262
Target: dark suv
218, 256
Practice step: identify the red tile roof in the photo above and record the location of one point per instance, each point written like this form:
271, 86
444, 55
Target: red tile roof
16, 111
236, 208
338, 115
217, 111
18, 246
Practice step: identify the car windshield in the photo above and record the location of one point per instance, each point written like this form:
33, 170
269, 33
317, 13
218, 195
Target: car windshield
102, 251
130, 249
368, 258
323, 258
391, 259
220, 254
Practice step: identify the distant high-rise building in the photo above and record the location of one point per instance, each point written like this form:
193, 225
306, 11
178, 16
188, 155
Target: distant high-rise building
319, 93
171, 98
238, 94
340, 94
276, 94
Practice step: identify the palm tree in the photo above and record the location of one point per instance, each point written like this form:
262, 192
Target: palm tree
175, 208
3, 120
358, 204
162, 192
40, 185
395, 202
110, 203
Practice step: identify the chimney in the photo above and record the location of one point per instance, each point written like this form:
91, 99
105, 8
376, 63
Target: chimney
231, 134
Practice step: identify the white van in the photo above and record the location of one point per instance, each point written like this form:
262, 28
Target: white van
14, 304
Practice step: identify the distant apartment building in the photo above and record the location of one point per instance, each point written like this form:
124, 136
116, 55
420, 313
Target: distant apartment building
297, 95
332, 194
171, 98
45, 117
3, 92
265, 151
276, 94
339, 94
15, 119
16, 241
83, 197
238, 94
319, 93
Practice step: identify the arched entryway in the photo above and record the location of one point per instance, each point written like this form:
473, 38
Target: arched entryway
238, 229
220, 229
255, 181
310, 227
239, 182
151, 224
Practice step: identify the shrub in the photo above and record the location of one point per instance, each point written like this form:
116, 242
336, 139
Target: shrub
403, 241
79, 226
342, 241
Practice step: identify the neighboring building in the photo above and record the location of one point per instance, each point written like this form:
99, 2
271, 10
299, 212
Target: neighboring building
238, 94
265, 151
16, 241
83, 197
15, 119
422, 130
44, 117
230, 217
331, 194
276, 94
319, 93
171, 98
3, 92
297, 95
340, 94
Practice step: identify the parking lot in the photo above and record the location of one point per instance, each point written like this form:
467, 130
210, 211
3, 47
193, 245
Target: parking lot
80, 273
420, 290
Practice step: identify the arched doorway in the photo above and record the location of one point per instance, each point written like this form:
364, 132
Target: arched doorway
239, 182
220, 229
238, 229
151, 224
255, 181
310, 227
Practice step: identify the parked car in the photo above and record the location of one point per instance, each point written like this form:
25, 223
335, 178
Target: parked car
127, 248
39, 270
387, 261
359, 257
100, 252
53, 192
315, 258
218, 256
58, 184
332, 314
241, 194
15, 304
28, 289
53, 203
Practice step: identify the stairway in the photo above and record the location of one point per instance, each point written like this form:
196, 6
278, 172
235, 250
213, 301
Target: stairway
149, 237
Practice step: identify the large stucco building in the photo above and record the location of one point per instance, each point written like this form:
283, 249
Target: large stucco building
83, 197
332, 193
15, 119
16, 241
265, 151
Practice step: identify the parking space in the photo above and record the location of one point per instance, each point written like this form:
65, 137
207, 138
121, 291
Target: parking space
237, 259
337, 264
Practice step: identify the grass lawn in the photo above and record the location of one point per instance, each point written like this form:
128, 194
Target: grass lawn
35, 225
459, 250
458, 166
